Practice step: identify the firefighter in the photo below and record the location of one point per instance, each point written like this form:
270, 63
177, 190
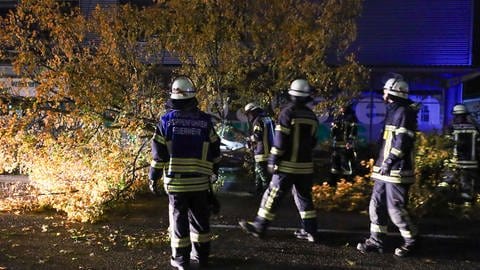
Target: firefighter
186, 153
262, 131
343, 132
291, 164
393, 172
462, 168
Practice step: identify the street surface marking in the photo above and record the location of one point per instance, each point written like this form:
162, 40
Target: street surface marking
438, 236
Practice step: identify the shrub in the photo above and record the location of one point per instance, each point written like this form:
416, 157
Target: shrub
424, 197
80, 171
346, 196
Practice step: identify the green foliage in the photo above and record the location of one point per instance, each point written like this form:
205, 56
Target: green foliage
425, 197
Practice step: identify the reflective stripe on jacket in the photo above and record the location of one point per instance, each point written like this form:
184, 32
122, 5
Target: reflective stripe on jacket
398, 143
185, 150
295, 138
465, 136
263, 132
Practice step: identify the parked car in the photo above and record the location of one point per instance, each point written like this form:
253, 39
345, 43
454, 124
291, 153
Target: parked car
233, 145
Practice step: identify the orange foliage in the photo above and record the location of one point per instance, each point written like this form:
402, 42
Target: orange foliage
81, 137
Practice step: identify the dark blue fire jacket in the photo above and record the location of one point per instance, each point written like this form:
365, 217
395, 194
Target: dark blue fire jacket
466, 136
398, 142
295, 138
262, 137
185, 150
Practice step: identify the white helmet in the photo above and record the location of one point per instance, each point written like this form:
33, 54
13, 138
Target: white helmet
182, 88
459, 109
250, 107
396, 87
300, 88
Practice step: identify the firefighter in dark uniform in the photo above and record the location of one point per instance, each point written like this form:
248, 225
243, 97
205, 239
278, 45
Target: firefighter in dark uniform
462, 168
291, 163
344, 136
393, 172
262, 130
186, 153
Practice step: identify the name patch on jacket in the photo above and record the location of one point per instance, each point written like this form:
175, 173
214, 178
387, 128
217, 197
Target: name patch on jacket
186, 131
187, 123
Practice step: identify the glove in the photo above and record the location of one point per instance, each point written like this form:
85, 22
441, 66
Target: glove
213, 203
213, 178
152, 185
272, 168
386, 167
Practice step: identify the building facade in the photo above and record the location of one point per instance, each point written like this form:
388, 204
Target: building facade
433, 44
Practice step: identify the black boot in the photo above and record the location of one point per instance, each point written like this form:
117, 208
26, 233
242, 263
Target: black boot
369, 246
250, 228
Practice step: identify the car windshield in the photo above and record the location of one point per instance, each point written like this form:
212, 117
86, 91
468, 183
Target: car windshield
231, 136
229, 132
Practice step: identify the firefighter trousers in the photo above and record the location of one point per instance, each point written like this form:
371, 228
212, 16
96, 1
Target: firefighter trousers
389, 200
189, 226
301, 187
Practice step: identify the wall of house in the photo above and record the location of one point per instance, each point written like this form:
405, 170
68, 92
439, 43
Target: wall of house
416, 33
429, 42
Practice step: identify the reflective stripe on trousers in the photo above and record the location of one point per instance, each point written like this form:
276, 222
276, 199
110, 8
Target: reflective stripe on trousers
189, 223
389, 201
301, 186
262, 177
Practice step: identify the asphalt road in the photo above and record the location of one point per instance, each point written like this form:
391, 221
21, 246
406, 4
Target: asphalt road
446, 244
48, 241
